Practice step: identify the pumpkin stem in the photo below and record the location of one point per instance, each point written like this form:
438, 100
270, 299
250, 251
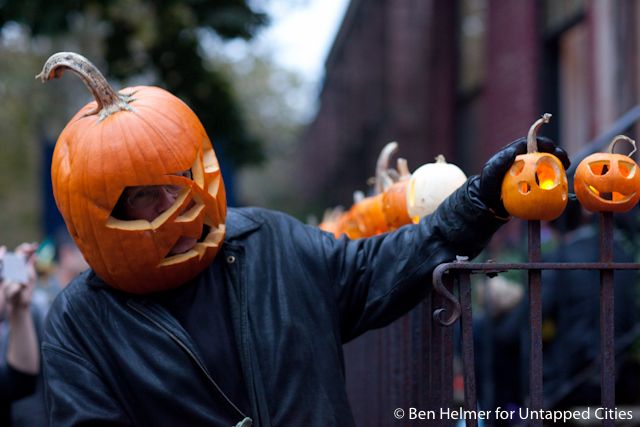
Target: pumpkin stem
623, 138
108, 100
532, 142
383, 164
403, 168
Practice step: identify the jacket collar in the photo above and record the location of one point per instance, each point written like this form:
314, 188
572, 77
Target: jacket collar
238, 224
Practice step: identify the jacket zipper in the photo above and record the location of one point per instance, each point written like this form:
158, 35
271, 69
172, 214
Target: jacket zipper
246, 420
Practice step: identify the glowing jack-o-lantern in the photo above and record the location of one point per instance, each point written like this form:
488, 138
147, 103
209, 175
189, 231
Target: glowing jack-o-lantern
535, 187
608, 182
141, 136
429, 185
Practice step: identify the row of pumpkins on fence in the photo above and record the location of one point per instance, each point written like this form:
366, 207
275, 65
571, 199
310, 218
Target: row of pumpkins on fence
534, 188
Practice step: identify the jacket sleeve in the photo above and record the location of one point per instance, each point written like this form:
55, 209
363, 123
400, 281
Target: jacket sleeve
377, 280
14, 384
75, 393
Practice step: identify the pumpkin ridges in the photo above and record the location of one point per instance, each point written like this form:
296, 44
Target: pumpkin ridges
176, 156
176, 114
158, 135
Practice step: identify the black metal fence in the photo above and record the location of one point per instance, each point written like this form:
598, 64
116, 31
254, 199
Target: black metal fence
415, 355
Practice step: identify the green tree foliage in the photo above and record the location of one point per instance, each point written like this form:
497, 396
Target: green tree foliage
275, 103
161, 39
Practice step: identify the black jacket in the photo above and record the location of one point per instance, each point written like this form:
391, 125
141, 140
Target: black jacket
296, 295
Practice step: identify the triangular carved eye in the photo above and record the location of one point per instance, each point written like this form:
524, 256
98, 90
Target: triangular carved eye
136, 199
627, 169
599, 167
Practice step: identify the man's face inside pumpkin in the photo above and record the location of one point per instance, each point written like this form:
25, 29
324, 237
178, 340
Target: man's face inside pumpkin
150, 201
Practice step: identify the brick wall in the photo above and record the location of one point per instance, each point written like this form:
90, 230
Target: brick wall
389, 77
510, 100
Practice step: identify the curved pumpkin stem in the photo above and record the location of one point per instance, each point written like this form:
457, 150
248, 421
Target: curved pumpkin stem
532, 142
623, 138
108, 100
383, 164
403, 168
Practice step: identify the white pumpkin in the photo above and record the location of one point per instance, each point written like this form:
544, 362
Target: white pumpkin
430, 184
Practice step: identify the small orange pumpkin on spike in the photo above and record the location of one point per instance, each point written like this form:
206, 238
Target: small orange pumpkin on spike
535, 187
608, 182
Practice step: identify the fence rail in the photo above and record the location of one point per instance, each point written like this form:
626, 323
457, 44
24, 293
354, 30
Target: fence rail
460, 308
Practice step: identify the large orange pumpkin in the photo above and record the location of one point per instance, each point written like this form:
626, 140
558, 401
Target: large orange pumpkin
608, 182
140, 136
535, 187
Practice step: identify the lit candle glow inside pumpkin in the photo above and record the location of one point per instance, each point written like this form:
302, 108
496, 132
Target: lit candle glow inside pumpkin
546, 176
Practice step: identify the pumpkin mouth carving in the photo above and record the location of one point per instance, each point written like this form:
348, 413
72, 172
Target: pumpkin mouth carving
610, 197
602, 168
211, 240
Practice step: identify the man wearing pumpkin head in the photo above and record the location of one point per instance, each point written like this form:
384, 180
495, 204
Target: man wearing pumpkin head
192, 314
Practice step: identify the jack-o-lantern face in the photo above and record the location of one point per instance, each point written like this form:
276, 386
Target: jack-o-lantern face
535, 187
608, 182
143, 139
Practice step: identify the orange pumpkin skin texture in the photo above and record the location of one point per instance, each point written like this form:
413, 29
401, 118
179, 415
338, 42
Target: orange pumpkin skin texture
348, 225
613, 175
369, 216
97, 157
535, 187
394, 204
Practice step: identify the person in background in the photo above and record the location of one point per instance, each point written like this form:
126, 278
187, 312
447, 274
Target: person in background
20, 356
58, 260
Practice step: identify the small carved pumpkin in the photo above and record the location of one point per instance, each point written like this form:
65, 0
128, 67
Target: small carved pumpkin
608, 182
535, 187
429, 185
141, 136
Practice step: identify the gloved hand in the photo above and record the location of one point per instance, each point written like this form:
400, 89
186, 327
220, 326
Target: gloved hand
490, 183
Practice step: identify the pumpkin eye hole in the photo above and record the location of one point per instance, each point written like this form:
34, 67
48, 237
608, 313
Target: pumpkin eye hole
524, 187
600, 167
627, 170
547, 174
516, 168
145, 198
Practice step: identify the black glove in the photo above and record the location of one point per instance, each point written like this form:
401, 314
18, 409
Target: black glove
490, 183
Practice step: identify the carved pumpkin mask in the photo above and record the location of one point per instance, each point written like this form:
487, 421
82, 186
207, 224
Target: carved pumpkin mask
142, 136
